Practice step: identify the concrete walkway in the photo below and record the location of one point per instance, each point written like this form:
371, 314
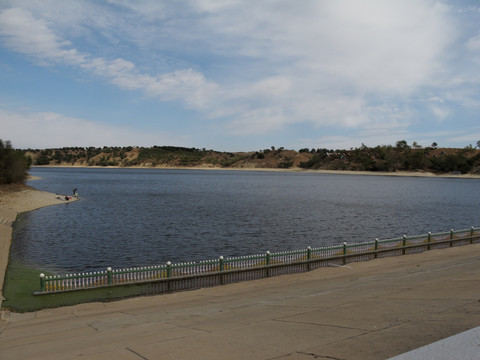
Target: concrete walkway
370, 310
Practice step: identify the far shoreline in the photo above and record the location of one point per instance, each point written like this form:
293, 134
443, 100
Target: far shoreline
293, 170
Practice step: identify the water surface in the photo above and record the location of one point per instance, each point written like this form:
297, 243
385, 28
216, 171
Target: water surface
140, 217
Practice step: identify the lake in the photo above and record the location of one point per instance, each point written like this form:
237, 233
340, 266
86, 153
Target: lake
143, 217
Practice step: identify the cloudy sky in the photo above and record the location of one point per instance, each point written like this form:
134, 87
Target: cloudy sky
239, 75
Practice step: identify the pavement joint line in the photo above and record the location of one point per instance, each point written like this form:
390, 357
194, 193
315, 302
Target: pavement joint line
319, 356
328, 325
137, 354
193, 328
93, 327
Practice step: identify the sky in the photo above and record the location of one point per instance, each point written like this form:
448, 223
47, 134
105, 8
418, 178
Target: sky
239, 75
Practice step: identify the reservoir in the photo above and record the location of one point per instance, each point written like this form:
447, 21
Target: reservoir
142, 217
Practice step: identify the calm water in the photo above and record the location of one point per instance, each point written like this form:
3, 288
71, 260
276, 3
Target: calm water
140, 217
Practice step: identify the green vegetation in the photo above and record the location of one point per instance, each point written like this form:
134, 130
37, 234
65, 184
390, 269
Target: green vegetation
385, 158
13, 164
21, 281
17, 289
169, 154
402, 157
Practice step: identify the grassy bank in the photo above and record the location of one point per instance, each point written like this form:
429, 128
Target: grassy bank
22, 281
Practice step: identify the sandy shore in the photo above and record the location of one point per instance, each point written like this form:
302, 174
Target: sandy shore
15, 199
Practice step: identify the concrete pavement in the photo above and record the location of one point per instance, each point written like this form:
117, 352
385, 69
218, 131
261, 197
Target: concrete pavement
369, 310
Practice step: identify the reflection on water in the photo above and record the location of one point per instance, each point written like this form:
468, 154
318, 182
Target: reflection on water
140, 217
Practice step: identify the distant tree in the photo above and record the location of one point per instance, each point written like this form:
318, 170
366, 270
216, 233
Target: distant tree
478, 144
401, 144
434, 145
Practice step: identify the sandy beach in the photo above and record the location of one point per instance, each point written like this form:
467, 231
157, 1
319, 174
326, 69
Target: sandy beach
15, 199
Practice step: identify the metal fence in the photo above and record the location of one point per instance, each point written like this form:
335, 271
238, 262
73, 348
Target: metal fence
174, 277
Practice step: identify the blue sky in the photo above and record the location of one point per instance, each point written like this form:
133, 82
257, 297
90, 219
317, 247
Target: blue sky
239, 75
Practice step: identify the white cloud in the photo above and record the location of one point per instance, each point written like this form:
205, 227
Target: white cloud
28, 35
327, 58
48, 129
17, 27
258, 121
473, 44
372, 45
270, 87
440, 112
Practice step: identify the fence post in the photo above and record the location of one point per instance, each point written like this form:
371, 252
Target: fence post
267, 260
309, 256
42, 282
376, 248
471, 235
429, 239
220, 268
169, 274
404, 242
344, 252
109, 276
451, 238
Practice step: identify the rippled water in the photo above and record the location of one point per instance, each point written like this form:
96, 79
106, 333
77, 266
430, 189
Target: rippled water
140, 217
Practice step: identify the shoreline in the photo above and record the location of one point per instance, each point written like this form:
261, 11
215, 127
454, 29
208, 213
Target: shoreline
293, 170
13, 201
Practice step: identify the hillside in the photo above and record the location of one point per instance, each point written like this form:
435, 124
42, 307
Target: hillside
381, 158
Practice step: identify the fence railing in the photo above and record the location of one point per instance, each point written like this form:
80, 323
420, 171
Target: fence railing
182, 276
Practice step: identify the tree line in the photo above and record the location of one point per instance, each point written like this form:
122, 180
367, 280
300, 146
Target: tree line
401, 157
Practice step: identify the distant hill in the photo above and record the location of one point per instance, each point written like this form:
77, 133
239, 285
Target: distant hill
381, 158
